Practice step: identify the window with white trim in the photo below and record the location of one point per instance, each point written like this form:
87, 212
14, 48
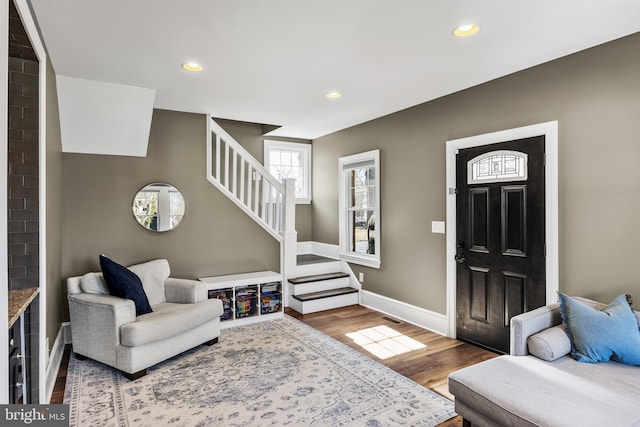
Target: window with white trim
359, 207
290, 160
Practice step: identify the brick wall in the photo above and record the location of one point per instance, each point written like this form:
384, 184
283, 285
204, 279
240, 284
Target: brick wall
23, 179
23, 174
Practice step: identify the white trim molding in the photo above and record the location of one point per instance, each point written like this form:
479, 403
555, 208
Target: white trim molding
318, 248
550, 131
299, 147
418, 316
426, 319
55, 359
346, 163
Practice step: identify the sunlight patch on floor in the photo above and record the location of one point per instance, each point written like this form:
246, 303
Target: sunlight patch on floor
384, 342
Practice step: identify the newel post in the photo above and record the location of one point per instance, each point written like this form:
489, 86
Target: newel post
289, 250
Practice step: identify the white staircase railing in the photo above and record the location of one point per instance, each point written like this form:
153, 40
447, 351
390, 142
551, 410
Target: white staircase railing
248, 184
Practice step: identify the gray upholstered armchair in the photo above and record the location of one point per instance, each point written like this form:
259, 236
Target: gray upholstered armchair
105, 328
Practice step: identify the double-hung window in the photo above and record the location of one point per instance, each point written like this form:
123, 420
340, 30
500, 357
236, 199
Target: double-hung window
290, 160
359, 207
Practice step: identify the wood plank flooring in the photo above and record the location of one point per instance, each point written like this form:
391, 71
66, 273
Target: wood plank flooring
428, 366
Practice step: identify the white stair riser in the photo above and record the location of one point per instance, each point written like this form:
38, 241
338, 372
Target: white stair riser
322, 285
295, 305
322, 304
318, 268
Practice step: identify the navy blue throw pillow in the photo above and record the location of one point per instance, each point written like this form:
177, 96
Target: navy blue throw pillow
124, 283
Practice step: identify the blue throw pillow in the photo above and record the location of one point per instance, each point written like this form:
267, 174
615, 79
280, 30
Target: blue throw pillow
124, 283
601, 335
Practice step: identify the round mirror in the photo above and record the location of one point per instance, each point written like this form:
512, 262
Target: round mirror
158, 207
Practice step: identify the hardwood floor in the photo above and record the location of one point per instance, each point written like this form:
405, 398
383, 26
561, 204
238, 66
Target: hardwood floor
428, 366
57, 396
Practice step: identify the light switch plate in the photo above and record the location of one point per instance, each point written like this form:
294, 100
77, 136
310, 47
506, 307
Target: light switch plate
438, 227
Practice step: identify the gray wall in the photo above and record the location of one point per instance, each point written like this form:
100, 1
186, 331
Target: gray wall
214, 237
594, 95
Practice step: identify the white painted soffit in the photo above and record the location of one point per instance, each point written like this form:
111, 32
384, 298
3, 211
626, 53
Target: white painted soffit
104, 118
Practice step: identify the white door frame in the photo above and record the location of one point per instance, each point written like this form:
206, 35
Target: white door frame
550, 132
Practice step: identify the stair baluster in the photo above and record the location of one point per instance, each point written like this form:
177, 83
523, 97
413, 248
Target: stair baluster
266, 200
237, 174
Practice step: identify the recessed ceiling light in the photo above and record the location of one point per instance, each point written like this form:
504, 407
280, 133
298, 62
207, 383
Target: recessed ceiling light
194, 67
466, 30
333, 95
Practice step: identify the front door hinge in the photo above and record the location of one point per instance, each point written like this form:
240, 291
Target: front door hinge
453, 191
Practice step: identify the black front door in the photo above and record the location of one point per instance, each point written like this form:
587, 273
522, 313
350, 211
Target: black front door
500, 238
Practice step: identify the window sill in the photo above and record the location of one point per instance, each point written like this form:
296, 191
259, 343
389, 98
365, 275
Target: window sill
360, 260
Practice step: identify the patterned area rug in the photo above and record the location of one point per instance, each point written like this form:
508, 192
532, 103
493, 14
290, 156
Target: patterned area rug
272, 373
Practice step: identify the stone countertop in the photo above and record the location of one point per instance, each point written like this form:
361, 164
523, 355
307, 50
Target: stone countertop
19, 300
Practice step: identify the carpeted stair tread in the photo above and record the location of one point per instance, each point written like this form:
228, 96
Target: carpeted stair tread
317, 277
325, 294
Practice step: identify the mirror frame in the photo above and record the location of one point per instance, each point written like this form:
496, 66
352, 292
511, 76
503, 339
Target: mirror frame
137, 207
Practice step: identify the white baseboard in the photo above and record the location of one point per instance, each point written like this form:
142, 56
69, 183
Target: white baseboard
421, 317
318, 248
55, 358
353, 280
304, 247
418, 316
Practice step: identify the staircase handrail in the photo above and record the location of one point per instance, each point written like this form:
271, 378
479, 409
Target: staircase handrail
265, 207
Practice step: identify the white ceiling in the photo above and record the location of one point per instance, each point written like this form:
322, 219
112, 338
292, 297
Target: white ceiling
272, 61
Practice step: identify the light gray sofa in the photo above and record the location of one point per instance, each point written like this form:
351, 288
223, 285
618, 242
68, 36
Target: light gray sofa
521, 389
105, 328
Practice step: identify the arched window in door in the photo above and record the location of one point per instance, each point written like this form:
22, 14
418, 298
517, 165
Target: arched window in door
497, 166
